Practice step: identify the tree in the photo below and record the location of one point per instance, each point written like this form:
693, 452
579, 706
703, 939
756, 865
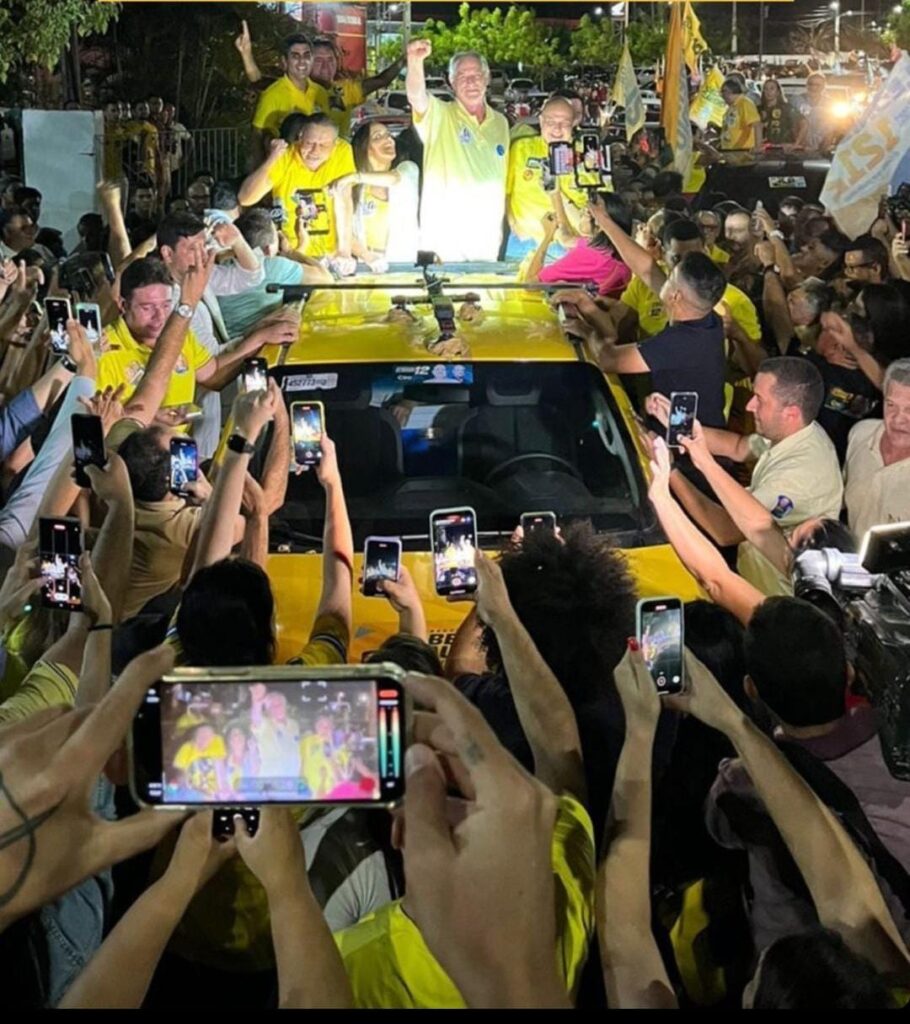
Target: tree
594, 43
898, 31
38, 31
647, 39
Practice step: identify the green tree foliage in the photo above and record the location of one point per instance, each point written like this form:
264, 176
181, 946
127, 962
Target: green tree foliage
898, 31
594, 43
648, 39
38, 31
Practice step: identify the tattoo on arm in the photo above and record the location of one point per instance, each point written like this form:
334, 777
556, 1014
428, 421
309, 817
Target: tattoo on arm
27, 827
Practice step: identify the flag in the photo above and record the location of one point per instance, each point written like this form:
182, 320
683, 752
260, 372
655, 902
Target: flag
694, 43
626, 94
869, 155
708, 105
674, 104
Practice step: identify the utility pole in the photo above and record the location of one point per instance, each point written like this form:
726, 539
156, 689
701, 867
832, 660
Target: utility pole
733, 41
761, 38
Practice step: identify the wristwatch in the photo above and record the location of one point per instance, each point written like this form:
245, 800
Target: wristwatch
185, 310
68, 364
239, 444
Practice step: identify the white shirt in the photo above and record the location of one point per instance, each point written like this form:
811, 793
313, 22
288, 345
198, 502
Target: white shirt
875, 493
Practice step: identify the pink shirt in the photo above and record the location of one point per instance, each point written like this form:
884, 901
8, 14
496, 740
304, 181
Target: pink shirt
587, 263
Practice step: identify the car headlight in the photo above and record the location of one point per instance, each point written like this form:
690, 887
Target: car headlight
840, 109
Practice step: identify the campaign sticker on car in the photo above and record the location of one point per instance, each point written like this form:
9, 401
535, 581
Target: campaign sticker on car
787, 181
310, 382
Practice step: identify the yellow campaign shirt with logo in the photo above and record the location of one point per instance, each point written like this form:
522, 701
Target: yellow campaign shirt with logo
465, 163
740, 120
344, 95
652, 317
527, 200
290, 175
388, 962
283, 98
125, 363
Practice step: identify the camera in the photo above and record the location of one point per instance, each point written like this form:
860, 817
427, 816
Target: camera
869, 596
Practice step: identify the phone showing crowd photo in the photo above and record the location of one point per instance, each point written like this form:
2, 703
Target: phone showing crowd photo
255, 375
683, 411
59, 548
453, 534
659, 628
58, 312
275, 735
381, 561
184, 464
590, 159
560, 158
531, 521
89, 316
307, 426
88, 444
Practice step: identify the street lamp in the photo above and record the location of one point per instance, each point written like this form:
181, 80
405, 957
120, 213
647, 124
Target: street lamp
598, 11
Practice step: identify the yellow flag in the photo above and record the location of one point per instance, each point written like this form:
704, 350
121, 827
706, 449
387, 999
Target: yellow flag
694, 44
708, 106
627, 94
674, 103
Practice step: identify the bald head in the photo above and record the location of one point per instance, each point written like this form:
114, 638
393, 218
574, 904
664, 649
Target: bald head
556, 120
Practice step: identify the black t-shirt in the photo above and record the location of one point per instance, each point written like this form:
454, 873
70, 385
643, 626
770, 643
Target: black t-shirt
689, 356
849, 397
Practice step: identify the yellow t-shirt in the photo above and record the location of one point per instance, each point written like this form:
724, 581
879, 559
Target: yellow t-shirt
290, 175
652, 317
697, 176
740, 119
344, 95
283, 98
199, 764
49, 684
316, 766
465, 163
718, 255
526, 199
126, 361
390, 967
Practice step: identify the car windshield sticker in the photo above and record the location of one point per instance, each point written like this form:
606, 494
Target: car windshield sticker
311, 382
437, 373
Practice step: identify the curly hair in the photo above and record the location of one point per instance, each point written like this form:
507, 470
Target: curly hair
576, 598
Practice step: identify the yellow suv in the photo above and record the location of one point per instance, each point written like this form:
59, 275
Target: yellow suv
522, 421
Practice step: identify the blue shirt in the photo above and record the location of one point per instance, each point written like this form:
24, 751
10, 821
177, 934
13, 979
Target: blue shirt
241, 312
18, 419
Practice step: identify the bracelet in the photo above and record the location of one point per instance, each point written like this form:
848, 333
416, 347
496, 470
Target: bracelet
101, 625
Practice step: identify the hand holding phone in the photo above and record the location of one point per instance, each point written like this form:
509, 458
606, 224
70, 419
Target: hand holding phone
59, 549
545, 521
88, 445
255, 375
682, 415
58, 312
307, 428
453, 539
659, 630
381, 561
89, 316
184, 464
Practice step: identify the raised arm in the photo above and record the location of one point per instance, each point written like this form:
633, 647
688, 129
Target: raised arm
466, 657
244, 45
637, 259
846, 895
337, 542
777, 312
634, 972
258, 184
415, 82
384, 78
836, 325
543, 708
118, 246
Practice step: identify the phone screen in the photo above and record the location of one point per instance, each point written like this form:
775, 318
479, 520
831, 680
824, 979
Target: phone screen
184, 463
683, 410
255, 375
58, 312
538, 521
60, 545
89, 316
301, 740
590, 160
560, 158
660, 635
381, 561
454, 539
88, 445
307, 424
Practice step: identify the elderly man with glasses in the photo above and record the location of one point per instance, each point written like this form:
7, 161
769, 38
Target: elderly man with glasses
818, 128
465, 159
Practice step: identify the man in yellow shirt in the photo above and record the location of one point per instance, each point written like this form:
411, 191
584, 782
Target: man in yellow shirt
465, 159
345, 92
527, 192
147, 303
742, 127
294, 92
299, 175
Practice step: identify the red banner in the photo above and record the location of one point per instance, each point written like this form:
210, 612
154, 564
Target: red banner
346, 24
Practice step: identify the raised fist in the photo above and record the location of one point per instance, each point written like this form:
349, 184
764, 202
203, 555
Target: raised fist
419, 49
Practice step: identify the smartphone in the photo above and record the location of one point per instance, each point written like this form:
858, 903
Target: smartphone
683, 411
59, 548
592, 161
184, 463
89, 315
255, 375
88, 444
192, 411
560, 158
58, 312
453, 535
659, 628
278, 213
381, 561
904, 229
271, 735
307, 426
538, 521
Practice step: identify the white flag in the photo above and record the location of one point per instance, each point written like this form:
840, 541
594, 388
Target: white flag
867, 156
627, 94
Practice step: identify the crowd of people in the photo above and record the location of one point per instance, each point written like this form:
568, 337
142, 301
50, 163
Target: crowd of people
567, 837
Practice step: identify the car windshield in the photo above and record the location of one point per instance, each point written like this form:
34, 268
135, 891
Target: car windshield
503, 438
